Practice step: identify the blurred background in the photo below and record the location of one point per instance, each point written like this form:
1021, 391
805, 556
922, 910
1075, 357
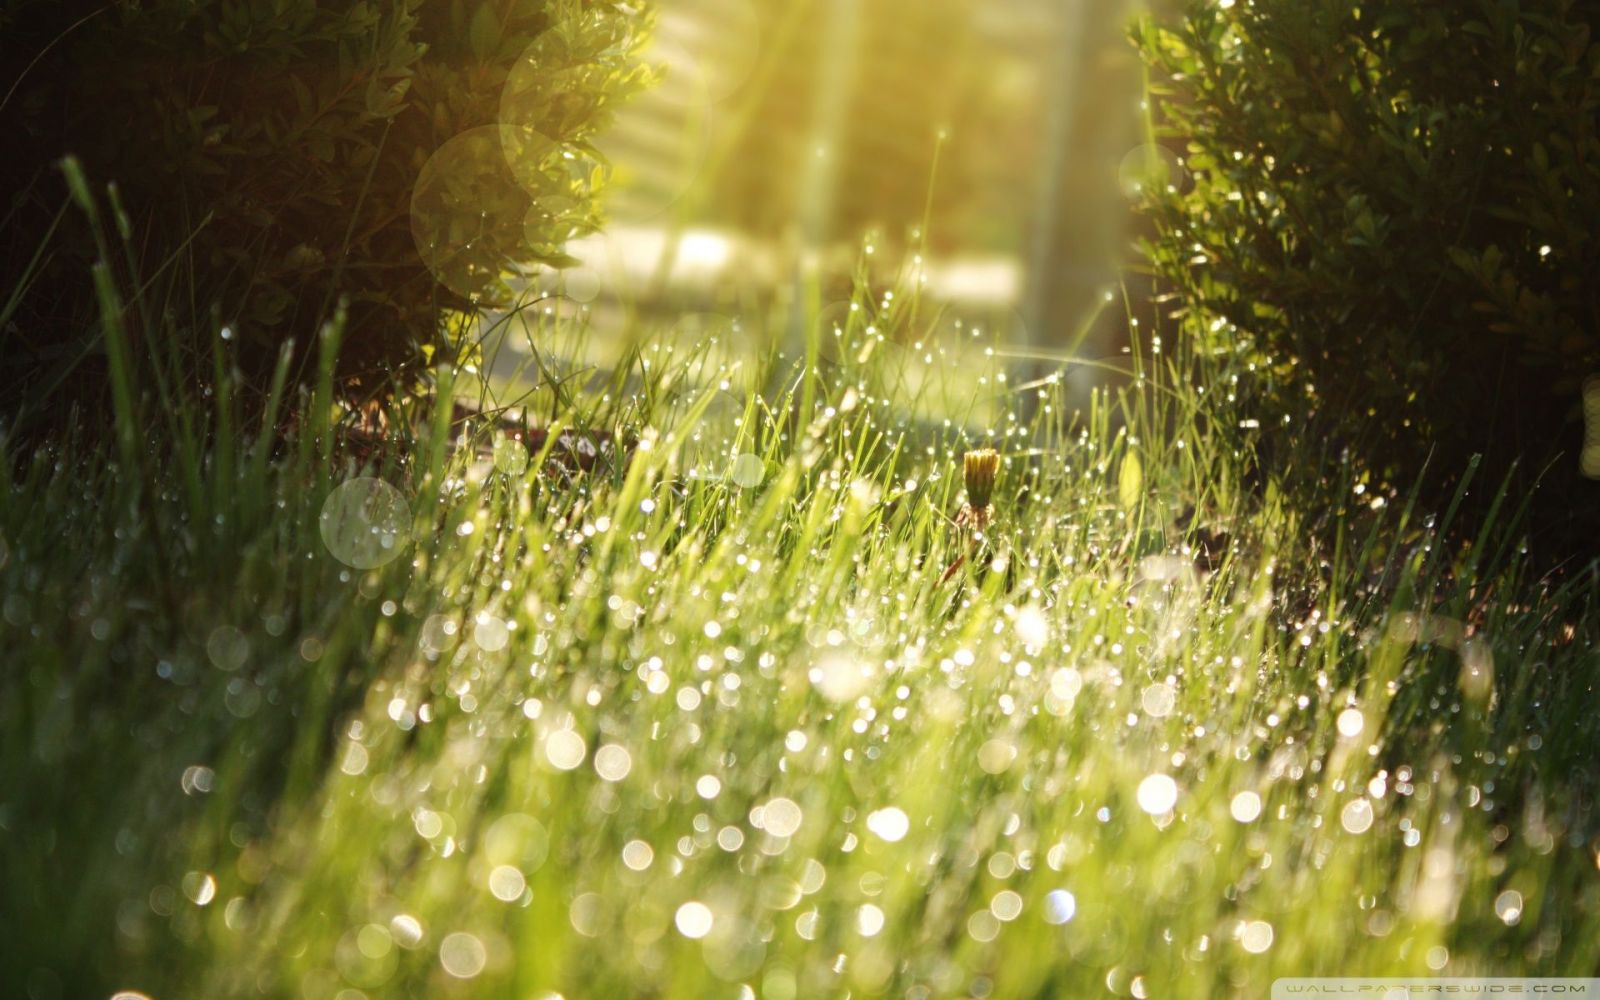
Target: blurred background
791, 139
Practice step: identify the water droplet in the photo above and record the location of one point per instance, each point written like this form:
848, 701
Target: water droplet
1256, 937
1245, 807
781, 817
612, 762
1157, 794
1357, 816
869, 920
840, 678
638, 855
489, 633
1060, 906
1006, 905
407, 930
462, 955
890, 824
506, 883
1033, 628
200, 887
1159, 700
694, 920
997, 755
1508, 907
565, 749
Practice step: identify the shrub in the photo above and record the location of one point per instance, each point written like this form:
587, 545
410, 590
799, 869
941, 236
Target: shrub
273, 151
1395, 207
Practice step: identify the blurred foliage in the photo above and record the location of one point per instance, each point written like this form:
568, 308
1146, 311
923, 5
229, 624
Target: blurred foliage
273, 153
1394, 207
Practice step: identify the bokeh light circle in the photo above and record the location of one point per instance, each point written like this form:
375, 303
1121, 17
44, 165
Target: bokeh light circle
470, 207
1149, 169
694, 919
365, 523
748, 471
1157, 794
463, 955
510, 455
1060, 906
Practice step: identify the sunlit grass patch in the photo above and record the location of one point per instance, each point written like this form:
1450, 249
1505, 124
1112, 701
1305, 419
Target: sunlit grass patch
705, 720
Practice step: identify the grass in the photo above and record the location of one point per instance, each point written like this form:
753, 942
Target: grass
707, 723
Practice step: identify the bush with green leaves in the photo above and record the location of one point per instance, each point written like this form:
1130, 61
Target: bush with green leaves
1395, 206
273, 156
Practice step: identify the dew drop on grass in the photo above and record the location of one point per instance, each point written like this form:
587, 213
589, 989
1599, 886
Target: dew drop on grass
1066, 683
355, 759
564, 749
462, 955
869, 920
407, 930
489, 633
1033, 628
890, 824
1356, 816
840, 678
1245, 807
1256, 936
813, 876
428, 823
506, 883
1350, 723
612, 762
587, 914
1006, 905
1508, 907
637, 855
1159, 700
197, 780
805, 925
438, 634
1157, 794
694, 920
1060, 906
997, 755
781, 817
983, 926
200, 887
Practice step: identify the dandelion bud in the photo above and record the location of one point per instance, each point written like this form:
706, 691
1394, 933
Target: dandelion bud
980, 468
